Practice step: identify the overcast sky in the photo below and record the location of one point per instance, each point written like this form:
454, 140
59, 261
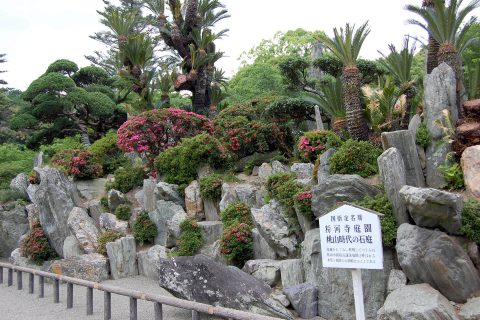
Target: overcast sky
34, 33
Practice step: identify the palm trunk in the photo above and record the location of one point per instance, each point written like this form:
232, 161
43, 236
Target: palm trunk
409, 95
201, 94
356, 124
449, 55
433, 45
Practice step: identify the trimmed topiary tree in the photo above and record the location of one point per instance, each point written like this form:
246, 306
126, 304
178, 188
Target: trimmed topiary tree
123, 212
355, 157
191, 239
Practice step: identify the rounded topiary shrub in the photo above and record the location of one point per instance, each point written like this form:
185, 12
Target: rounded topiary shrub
211, 186
236, 243
144, 229
237, 212
191, 239
123, 212
471, 220
106, 152
106, 237
128, 178
316, 142
355, 157
35, 246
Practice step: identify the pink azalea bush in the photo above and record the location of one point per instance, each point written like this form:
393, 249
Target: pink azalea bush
78, 163
316, 142
303, 203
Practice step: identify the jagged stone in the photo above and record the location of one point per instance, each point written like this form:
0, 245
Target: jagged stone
430, 256
83, 228
115, 198
194, 201
13, 225
292, 272
17, 259
280, 297
470, 310
167, 217
91, 189
33, 214
324, 168
72, 248
265, 270
265, 171
20, 184
90, 267
471, 169
302, 170
261, 248
211, 231
396, 280
234, 192
278, 167
38, 160
123, 258
149, 197
109, 221
94, 209
414, 124
148, 261
211, 210
304, 299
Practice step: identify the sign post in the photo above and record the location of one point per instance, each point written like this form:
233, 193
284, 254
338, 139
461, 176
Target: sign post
351, 238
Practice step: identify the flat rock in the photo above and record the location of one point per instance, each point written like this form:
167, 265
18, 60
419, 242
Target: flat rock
123, 258
13, 225
302, 170
167, 217
470, 163
211, 231
430, 256
194, 201
470, 310
148, 261
304, 299
90, 267
434, 208
110, 221
83, 228
265, 270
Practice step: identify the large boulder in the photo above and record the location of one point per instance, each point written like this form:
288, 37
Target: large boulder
335, 291
261, 248
392, 171
417, 302
201, 279
122, 255
20, 184
430, 256
55, 197
234, 192
91, 189
265, 171
83, 228
324, 168
115, 198
148, 261
17, 259
33, 214
168, 192
440, 94
211, 231
292, 272
304, 299
339, 188
470, 310
265, 270
194, 201
72, 248
471, 169
149, 198
110, 221
396, 280
274, 229
167, 217
90, 267
13, 225
94, 209
434, 208
302, 170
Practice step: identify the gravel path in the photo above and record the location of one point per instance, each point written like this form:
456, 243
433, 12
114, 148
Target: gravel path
20, 305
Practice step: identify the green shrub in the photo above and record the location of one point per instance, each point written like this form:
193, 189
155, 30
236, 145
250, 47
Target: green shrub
35, 246
422, 137
191, 239
303, 203
67, 143
106, 152
355, 157
128, 178
123, 212
381, 204
14, 159
316, 142
237, 212
211, 186
453, 175
7, 195
471, 220
104, 203
236, 243
144, 229
23, 121
106, 237
78, 163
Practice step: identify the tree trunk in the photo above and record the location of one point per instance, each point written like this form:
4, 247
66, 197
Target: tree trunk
433, 45
201, 94
409, 95
356, 124
448, 54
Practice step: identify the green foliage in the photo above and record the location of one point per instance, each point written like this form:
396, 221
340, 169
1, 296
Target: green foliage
399, 63
7, 195
294, 70
422, 138
237, 212
471, 220
144, 229
128, 178
330, 99
211, 186
58, 145
35, 246
286, 109
106, 152
63, 66
123, 212
355, 157
236, 243
191, 239
106, 237
316, 142
90, 75
14, 159
453, 174
49, 84
23, 121
381, 204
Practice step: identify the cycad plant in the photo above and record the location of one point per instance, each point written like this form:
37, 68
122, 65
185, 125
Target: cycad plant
346, 45
399, 64
121, 23
447, 25
433, 45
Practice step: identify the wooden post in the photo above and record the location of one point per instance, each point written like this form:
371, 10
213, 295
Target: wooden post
318, 118
19, 280
107, 305
89, 301
69, 295
56, 291
358, 294
31, 282
10, 277
133, 308
41, 286
158, 311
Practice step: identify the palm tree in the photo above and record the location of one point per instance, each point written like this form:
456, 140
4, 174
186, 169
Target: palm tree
121, 23
399, 63
346, 45
433, 45
446, 25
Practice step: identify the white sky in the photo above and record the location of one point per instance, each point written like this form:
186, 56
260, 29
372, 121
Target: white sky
34, 33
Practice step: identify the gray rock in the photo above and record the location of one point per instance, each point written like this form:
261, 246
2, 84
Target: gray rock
211, 210
280, 297
167, 217
306, 222
414, 124
13, 225
95, 209
278, 167
149, 197
261, 195
434, 208
302, 170
335, 292
417, 302
470, 310
211, 231
265, 270
396, 280
148, 261
201, 279
31, 190
17, 259
122, 255
83, 228
90, 267
109, 221
115, 198
430, 256
274, 229
20, 184
422, 156
304, 299
169, 192
72, 248
214, 251
55, 197
404, 142
471, 169
324, 168
392, 171
255, 171
139, 196
91, 189
38, 160
261, 248
292, 272
234, 192
194, 201
265, 171
204, 170
33, 214
339, 188
440, 94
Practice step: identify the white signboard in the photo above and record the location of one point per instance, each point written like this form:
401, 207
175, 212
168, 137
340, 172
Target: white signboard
351, 238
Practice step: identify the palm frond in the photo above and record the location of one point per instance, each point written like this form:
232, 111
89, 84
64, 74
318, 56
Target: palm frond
138, 50
211, 12
399, 63
121, 23
329, 99
156, 6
